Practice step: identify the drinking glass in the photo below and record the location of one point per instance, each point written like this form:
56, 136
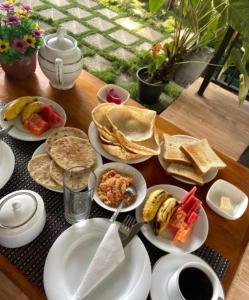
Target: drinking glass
78, 193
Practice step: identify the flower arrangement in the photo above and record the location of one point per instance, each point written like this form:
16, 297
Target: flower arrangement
20, 35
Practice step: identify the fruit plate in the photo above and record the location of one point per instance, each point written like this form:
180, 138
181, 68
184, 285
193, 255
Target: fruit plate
21, 133
164, 240
209, 176
42, 150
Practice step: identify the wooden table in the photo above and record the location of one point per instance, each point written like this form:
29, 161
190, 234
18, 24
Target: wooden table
229, 238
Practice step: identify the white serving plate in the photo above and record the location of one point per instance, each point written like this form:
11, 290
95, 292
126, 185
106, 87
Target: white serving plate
42, 150
164, 164
164, 240
7, 163
71, 254
94, 140
138, 183
21, 133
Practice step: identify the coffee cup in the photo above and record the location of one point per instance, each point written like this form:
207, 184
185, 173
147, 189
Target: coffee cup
193, 281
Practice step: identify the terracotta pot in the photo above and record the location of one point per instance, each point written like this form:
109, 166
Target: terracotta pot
22, 68
148, 93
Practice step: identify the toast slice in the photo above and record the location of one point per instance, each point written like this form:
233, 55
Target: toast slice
172, 151
185, 171
203, 156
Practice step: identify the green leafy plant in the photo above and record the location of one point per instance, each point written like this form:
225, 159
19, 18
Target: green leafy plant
20, 35
195, 27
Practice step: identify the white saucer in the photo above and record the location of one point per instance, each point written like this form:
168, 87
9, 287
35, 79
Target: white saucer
7, 163
164, 269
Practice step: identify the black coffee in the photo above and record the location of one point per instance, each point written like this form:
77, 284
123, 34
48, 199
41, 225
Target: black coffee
195, 284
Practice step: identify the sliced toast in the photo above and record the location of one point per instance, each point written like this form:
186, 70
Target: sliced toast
185, 171
172, 151
203, 156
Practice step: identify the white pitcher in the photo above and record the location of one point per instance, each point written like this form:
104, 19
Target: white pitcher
60, 59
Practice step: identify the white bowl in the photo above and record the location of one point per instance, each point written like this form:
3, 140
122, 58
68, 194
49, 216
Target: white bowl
122, 93
239, 200
138, 183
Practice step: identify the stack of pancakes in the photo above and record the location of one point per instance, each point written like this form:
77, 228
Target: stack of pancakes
126, 132
67, 147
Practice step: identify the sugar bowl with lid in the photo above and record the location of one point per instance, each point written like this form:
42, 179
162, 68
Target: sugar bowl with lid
22, 218
60, 59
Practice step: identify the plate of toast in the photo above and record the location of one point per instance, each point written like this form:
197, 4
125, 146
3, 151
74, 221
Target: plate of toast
189, 160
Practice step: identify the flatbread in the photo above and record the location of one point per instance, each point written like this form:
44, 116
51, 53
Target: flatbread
136, 124
99, 115
120, 152
69, 152
38, 168
147, 147
56, 173
63, 132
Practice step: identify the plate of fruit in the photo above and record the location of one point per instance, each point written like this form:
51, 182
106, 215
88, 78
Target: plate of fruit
175, 220
34, 118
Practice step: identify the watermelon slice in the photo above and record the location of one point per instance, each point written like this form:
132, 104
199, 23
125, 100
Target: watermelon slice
189, 203
50, 115
192, 218
190, 193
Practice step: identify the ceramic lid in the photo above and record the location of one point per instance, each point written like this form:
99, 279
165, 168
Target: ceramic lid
60, 40
17, 209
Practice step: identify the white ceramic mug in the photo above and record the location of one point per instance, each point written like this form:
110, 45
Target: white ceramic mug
174, 291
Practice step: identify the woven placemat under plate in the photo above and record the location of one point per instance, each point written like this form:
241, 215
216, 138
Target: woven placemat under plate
30, 259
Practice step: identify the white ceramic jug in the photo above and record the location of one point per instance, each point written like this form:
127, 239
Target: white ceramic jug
60, 59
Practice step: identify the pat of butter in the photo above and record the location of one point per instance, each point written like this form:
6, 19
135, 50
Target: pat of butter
225, 204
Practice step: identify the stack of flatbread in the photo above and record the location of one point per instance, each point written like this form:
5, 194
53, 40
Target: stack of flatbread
66, 147
126, 132
190, 159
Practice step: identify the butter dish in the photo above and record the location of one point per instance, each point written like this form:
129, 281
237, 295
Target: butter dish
238, 199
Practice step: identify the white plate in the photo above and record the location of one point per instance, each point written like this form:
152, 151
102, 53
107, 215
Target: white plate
138, 183
207, 177
94, 139
7, 163
41, 150
20, 133
163, 241
70, 256
164, 269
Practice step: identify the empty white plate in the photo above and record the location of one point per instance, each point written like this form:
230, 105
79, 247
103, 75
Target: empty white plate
7, 163
71, 254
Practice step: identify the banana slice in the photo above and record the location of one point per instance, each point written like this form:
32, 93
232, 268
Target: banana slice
152, 203
164, 214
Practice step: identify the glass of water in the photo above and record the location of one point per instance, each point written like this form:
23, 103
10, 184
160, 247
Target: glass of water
78, 193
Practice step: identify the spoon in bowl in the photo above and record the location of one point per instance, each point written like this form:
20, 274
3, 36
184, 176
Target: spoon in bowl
130, 191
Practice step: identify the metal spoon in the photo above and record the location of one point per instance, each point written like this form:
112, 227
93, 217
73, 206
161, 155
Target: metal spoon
4, 131
130, 191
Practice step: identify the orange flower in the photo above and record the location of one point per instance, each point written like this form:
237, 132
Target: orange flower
155, 49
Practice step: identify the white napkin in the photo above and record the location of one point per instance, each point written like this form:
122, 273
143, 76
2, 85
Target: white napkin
107, 258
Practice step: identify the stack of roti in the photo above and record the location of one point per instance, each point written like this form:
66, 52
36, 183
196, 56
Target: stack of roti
67, 147
126, 132
190, 159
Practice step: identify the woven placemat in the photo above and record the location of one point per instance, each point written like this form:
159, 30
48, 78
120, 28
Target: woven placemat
30, 259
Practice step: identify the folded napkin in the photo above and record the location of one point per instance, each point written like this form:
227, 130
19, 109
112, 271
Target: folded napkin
107, 258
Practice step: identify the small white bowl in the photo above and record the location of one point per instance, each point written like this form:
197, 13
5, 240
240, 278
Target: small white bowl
239, 200
122, 93
138, 183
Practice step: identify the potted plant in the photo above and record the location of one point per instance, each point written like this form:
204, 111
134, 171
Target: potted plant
195, 27
20, 37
